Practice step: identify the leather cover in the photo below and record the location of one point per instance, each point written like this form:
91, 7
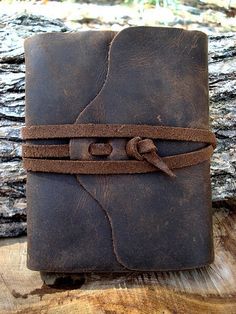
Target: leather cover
115, 223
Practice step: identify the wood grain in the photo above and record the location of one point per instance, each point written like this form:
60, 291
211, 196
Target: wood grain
206, 290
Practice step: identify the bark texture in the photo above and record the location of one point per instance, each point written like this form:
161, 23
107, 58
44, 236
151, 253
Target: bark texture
222, 79
13, 31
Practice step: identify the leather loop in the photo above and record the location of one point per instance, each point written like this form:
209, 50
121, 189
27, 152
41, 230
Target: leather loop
100, 149
132, 148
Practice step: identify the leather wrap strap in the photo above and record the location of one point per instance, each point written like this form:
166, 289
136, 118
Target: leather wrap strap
117, 130
117, 166
143, 150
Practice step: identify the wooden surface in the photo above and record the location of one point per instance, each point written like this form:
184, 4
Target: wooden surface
206, 290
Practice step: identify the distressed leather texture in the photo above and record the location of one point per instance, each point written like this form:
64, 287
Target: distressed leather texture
124, 222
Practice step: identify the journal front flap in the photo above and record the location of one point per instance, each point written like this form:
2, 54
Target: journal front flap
158, 78
155, 76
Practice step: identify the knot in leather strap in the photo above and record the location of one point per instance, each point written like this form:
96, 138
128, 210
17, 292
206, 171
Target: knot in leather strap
146, 150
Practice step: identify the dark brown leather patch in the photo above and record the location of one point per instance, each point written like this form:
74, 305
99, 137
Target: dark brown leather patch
148, 221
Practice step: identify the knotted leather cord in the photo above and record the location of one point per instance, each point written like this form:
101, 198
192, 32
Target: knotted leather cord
144, 150
147, 150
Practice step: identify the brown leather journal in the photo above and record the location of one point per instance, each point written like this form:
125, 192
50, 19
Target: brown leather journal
118, 151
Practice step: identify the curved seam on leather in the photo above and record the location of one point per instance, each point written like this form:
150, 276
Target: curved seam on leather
119, 259
109, 222
105, 80
78, 178
117, 35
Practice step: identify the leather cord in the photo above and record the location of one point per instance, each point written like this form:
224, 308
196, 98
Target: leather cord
143, 150
117, 166
62, 151
117, 130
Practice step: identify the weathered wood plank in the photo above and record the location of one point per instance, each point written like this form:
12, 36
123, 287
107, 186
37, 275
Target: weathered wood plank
206, 290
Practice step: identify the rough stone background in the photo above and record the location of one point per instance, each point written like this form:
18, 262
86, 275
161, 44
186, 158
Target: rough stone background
14, 28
